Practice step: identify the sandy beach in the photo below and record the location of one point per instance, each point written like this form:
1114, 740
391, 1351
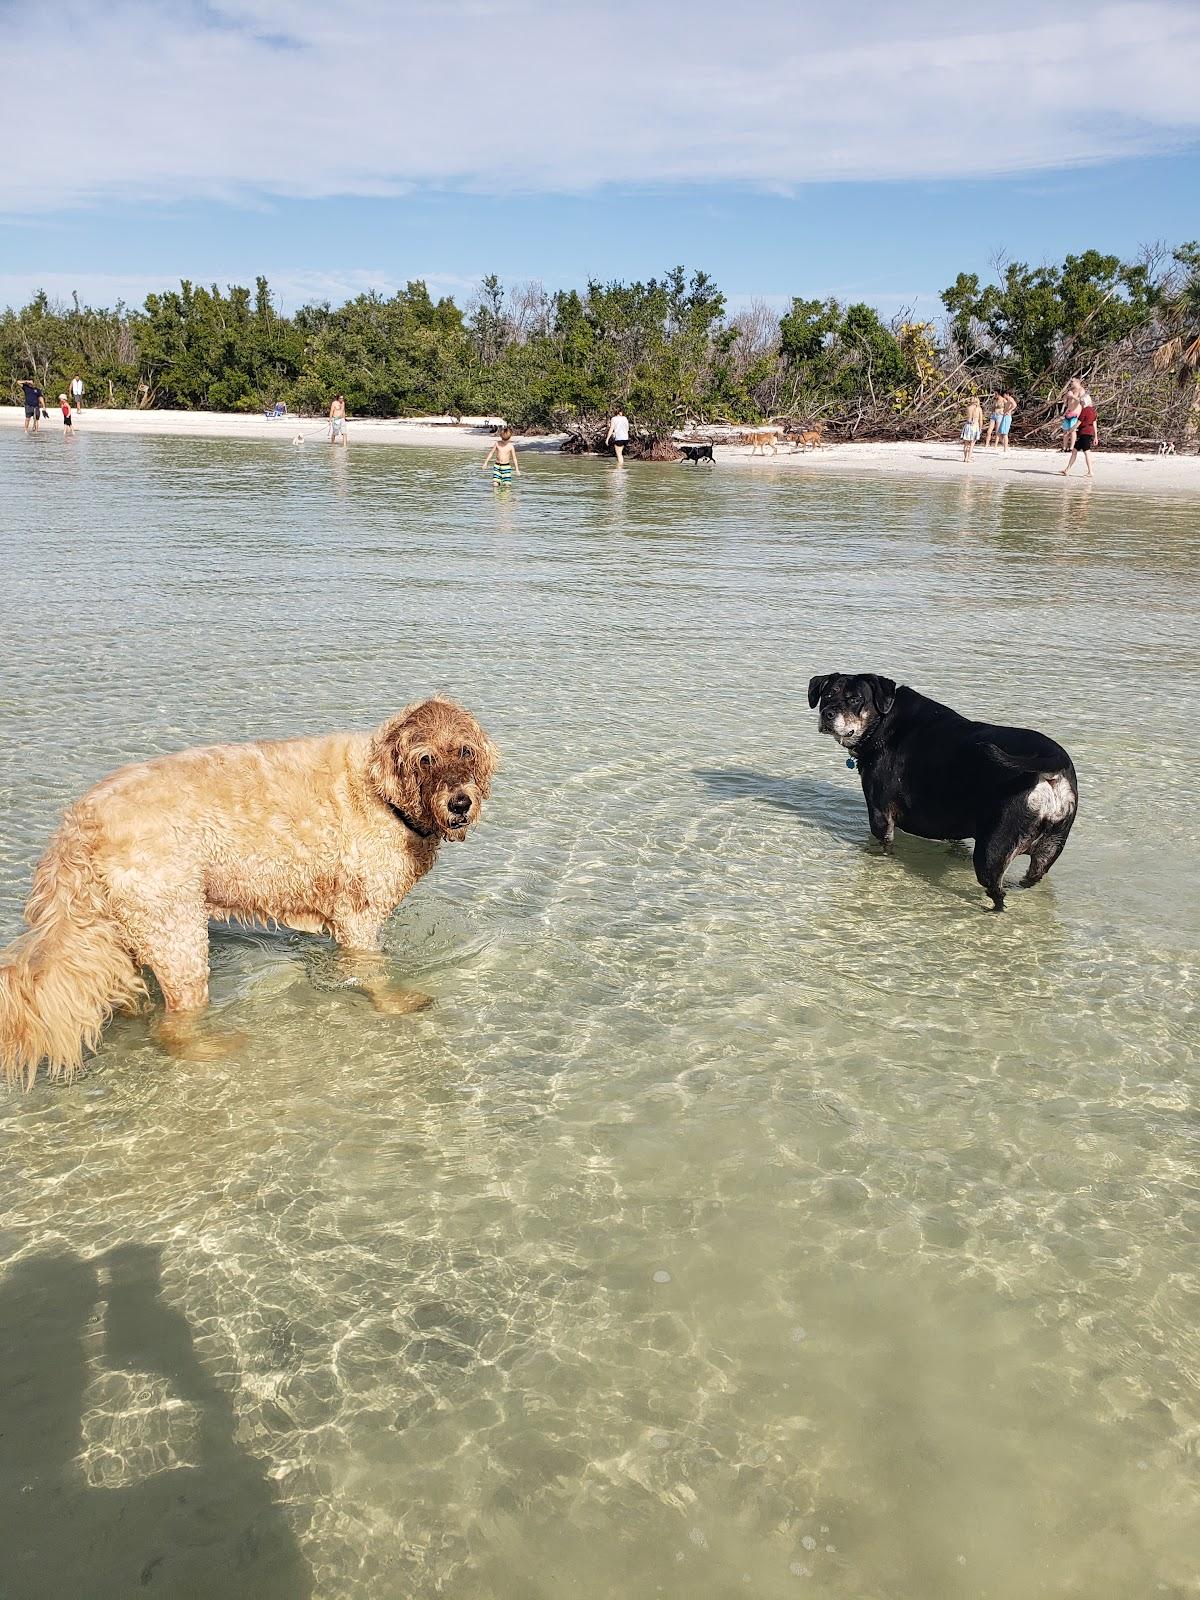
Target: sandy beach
933, 459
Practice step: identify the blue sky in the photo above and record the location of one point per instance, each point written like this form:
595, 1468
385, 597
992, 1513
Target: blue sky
337, 150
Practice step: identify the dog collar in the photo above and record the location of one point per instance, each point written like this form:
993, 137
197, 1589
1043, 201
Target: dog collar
421, 833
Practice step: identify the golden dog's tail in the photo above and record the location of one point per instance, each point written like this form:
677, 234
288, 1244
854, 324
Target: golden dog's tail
61, 981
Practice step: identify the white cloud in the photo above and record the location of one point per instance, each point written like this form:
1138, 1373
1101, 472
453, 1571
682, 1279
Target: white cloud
241, 99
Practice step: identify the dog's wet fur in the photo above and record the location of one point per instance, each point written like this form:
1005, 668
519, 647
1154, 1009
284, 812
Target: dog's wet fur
931, 772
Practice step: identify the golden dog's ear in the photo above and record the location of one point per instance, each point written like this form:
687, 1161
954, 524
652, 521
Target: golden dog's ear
395, 751
487, 764
484, 755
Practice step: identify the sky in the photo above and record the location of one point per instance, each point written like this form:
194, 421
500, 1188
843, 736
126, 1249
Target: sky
872, 152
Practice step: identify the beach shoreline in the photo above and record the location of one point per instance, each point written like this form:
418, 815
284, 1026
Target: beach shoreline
1118, 470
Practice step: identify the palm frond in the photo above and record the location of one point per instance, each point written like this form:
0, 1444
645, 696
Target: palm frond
1166, 355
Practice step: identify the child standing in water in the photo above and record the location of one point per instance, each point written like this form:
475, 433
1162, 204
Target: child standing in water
502, 458
972, 427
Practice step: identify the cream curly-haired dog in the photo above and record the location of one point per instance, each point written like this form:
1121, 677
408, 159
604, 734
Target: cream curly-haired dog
324, 835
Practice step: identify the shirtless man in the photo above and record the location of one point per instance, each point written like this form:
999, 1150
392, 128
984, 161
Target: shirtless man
1072, 405
337, 420
1008, 409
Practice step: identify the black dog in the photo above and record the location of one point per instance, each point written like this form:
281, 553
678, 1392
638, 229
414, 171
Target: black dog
931, 772
696, 453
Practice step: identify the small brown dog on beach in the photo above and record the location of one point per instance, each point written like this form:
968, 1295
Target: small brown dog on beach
324, 835
762, 441
810, 439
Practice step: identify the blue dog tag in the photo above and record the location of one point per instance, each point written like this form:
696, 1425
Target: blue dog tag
850, 762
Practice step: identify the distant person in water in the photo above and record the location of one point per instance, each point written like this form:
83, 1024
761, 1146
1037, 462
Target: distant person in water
972, 427
337, 420
65, 406
34, 401
77, 393
502, 458
618, 435
1086, 434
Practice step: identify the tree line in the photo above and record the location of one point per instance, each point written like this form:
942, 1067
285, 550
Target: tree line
667, 350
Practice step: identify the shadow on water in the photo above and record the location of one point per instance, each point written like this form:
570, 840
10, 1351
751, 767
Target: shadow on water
209, 1527
836, 808
839, 810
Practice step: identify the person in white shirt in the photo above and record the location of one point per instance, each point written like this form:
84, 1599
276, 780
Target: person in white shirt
77, 393
618, 435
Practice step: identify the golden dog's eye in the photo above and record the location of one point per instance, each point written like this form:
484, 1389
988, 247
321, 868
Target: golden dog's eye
426, 760
467, 753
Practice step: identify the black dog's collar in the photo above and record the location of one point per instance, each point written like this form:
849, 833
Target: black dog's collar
421, 833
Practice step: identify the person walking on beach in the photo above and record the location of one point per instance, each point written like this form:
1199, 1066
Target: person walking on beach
34, 404
77, 392
618, 435
972, 427
337, 420
1085, 436
502, 458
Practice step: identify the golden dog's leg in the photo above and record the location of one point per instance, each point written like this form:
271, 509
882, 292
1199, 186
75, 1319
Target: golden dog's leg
392, 1001
183, 1034
173, 940
367, 972
183, 1031
366, 969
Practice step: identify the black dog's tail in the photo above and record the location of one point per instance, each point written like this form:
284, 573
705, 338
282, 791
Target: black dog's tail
1050, 775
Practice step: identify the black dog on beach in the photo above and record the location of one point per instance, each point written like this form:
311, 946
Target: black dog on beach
696, 453
931, 772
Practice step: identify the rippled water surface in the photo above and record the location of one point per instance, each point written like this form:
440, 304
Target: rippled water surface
751, 1214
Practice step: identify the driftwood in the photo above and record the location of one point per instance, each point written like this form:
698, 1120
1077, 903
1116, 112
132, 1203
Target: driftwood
641, 446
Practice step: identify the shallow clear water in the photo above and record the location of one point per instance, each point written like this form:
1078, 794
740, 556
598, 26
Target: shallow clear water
751, 1214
